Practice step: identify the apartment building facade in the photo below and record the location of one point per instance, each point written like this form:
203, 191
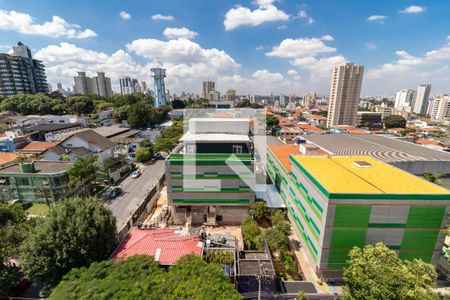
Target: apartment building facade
210, 179
21, 74
344, 94
337, 203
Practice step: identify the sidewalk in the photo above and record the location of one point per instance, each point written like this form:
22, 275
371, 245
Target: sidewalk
307, 269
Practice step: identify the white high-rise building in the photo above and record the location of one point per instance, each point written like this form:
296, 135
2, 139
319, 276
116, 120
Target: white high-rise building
404, 100
102, 85
128, 85
143, 87
230, 95
213, 96
99, 85
422, 97
344, 94
207, 86
440, 109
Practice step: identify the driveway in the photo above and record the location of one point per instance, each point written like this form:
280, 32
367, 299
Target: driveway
134, 191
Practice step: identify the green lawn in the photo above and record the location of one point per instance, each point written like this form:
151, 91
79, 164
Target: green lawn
38, 210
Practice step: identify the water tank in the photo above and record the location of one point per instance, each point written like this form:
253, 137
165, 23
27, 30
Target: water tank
27, 167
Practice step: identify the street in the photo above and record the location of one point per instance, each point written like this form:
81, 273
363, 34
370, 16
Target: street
134, 191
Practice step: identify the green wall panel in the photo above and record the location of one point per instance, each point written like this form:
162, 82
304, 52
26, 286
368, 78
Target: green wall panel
352, 215
337, 259
425, 216
410, 255
417, 239
348, 237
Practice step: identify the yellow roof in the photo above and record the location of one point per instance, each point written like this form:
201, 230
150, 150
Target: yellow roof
364, 174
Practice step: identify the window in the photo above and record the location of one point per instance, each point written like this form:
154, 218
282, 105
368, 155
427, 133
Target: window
237, 149
4, 180
23, 181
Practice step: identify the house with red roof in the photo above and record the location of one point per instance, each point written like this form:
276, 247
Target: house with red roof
165, 245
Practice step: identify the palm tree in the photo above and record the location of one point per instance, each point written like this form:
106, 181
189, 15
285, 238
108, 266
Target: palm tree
83, 172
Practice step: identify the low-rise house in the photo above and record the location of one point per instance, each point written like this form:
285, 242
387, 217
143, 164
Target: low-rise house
317, 120
429, 131
39, 181
36, 120
165, 245
127, 142
81, 144
37, 148
8, 157
49, 132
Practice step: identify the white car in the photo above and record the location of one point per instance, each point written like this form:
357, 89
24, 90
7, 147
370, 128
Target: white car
136, 174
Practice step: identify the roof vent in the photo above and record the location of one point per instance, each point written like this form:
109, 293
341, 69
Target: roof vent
362, 163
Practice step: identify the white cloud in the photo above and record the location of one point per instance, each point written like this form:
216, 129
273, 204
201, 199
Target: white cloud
124, 15
159, 17
244, 16
265, 75
292, 72
376, 18
371, 46
413, 9
182, 32
259, 48
327, 37
300, 47
57, 27
319, 68
282, 27
302, 14
408, 70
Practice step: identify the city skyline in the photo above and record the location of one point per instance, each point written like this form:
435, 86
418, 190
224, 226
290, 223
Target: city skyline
254, 47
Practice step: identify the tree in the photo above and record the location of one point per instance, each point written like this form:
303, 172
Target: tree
260, 210
250, 230
81, 105
83, 172
193, 278
177, 104
434, 178
301, 296
272, 121
13, 229
376, 272
138, 115
394, 121
137, 277
276, 239
75, 233
143, 154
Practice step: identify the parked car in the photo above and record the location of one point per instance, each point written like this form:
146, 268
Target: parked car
136, 174
114, 193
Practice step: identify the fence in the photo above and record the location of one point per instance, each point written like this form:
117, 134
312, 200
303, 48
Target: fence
145, 206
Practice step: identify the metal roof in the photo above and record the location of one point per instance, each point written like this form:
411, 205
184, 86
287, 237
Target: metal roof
384, 148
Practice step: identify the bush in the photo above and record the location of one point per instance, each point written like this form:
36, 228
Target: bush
260, 210
250, 231
143, 154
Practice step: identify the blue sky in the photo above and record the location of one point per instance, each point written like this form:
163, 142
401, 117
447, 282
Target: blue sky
258, 46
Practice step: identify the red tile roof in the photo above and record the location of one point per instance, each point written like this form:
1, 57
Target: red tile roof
6, 157
39, 146
170, 245
426, 142
357, 131
430, 129
282, 153
318, 117
308, 127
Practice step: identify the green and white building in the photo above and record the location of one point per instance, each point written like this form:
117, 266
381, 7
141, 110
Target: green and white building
336, 203
37, 182
210, 178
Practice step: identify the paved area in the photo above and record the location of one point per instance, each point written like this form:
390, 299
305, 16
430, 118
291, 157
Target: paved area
306, 266
134, 191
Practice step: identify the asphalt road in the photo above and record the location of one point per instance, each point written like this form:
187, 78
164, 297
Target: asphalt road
134, 191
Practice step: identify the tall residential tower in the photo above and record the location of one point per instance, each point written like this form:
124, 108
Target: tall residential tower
20, 73
344, 94
207, 86
421, 101
159, 87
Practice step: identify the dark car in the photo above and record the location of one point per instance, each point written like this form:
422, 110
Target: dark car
114, 193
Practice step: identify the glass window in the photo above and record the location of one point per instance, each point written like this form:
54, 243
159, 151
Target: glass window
237, 149
23, 181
